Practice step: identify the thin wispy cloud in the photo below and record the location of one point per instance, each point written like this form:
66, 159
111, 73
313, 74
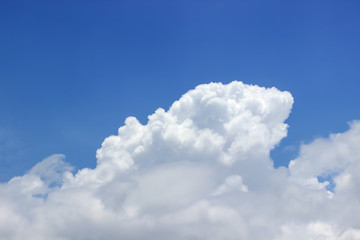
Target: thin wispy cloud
200, 170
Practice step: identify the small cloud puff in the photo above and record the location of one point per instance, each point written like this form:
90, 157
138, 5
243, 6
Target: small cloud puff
200, 170
232, 183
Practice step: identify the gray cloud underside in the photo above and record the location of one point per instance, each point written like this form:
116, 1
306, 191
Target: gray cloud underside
200, 170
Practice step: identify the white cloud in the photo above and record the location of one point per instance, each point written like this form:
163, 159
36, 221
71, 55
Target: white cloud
232, 183
200, 170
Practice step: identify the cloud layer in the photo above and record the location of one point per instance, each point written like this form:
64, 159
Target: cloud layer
201, 170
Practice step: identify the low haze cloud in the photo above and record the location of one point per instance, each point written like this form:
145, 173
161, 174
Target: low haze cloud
201, 170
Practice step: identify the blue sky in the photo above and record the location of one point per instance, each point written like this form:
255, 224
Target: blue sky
72, 71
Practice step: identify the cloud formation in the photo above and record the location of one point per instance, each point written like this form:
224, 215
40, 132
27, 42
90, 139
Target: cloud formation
201, 170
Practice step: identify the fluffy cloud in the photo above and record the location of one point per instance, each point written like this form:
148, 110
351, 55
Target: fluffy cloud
200, 170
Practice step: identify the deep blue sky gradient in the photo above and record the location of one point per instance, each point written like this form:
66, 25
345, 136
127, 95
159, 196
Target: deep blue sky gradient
72, 71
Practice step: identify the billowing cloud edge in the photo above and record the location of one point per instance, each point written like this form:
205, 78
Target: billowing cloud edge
201, 170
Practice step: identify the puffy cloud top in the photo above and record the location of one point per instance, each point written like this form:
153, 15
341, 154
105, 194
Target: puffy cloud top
200, 170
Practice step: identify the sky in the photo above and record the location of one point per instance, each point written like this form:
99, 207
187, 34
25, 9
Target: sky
72, 73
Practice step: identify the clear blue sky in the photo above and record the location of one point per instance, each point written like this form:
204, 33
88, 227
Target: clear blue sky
72, 71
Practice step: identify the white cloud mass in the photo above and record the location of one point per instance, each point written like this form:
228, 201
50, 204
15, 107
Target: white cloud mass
201, 170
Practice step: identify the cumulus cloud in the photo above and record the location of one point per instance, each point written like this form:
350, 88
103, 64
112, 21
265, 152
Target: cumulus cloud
201, 170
